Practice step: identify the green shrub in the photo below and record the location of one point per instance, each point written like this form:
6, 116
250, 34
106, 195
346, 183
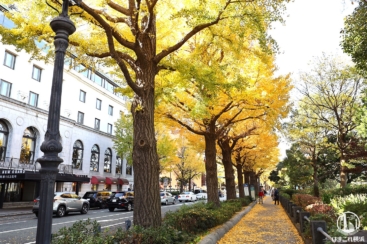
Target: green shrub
285, 195
290, 192
353, 203
329, 194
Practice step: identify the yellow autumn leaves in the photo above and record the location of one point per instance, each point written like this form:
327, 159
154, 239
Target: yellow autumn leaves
265, 223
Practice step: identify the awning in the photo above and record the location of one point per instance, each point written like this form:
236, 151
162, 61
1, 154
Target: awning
111, 181
97, 180
123, 181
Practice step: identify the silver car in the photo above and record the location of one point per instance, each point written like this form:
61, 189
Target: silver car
64, 203
167, 198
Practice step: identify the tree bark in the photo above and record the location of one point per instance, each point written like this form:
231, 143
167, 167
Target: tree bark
228, 168
241, 188
145, 157
211, 169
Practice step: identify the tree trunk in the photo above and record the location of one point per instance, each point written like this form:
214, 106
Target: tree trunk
343, 174
241, 188
253, 182
211, 169
228, 169
145, 157
316, 190
247, 177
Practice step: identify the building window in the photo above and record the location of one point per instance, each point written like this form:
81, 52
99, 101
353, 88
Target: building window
96, 124
4, 132
118, 165
107, 160
94, 160
28, 146
33, 99
98, 104
9, 60
36, 73
129, 169
5, 88
82, 96
77, 160
109, 128
80, 118
110, 110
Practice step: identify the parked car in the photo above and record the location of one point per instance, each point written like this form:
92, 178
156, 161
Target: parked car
167, 198
187, 196
121, 200
64, 203
201, 194
97, 198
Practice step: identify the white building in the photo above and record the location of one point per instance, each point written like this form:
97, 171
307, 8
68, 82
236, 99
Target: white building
89, 110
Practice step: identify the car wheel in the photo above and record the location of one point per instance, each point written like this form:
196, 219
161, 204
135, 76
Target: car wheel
36, 215
129, 207
180, 201
174, 201
84, 209
60, 211
111, 209
166, 203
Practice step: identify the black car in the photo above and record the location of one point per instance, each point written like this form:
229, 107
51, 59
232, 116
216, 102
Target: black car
97, 199
121, 200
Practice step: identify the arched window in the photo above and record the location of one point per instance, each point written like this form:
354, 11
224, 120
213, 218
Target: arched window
118, 165
107, 160
77, 155
94, 159
28, 146
4, 132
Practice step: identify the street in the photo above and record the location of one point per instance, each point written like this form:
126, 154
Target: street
23, 228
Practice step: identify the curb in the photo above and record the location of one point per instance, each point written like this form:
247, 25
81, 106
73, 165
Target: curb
220, 232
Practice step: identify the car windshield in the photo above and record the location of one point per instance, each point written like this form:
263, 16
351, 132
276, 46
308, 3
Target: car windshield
118, 194
186, 193
89, 195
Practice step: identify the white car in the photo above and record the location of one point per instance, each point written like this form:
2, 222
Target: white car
202, 195
187, 196
167, 198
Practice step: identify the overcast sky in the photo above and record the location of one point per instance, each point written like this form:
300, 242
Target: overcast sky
312, 27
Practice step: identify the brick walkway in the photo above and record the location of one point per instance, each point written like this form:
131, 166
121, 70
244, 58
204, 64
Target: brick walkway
265, 223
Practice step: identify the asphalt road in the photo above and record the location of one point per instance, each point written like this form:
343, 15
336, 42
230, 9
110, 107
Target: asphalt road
23, 228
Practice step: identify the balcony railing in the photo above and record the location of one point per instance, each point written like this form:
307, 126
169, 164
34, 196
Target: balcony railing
31, 165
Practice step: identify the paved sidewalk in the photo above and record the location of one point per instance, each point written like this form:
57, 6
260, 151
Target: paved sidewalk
265, 223
7, 212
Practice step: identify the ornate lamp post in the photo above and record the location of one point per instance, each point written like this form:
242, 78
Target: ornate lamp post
51, 147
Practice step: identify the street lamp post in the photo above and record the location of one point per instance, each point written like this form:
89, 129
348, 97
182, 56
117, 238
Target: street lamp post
52, 146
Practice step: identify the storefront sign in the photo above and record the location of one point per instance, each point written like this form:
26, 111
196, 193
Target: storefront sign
11, 174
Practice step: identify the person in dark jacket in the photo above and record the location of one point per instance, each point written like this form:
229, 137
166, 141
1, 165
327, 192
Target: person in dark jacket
276, 196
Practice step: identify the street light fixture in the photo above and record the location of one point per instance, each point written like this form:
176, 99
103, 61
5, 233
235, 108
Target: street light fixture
52, 146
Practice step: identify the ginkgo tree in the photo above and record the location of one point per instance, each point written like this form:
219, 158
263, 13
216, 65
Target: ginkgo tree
135, 40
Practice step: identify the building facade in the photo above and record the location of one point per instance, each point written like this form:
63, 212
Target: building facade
89, 110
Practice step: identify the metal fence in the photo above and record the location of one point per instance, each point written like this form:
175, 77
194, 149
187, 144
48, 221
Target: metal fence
31, 165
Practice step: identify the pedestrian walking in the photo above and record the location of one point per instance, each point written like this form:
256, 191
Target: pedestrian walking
261, 195
276, 196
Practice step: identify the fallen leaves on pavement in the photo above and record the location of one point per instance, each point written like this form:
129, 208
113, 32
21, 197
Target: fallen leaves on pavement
265, 223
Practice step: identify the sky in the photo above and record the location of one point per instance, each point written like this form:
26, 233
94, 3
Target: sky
311, 28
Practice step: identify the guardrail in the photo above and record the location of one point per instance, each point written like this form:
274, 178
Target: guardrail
318, 227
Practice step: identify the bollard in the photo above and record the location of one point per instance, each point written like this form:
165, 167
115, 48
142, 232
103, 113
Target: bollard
302, 220
296, 211
289, 207
317, 236
128, 224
